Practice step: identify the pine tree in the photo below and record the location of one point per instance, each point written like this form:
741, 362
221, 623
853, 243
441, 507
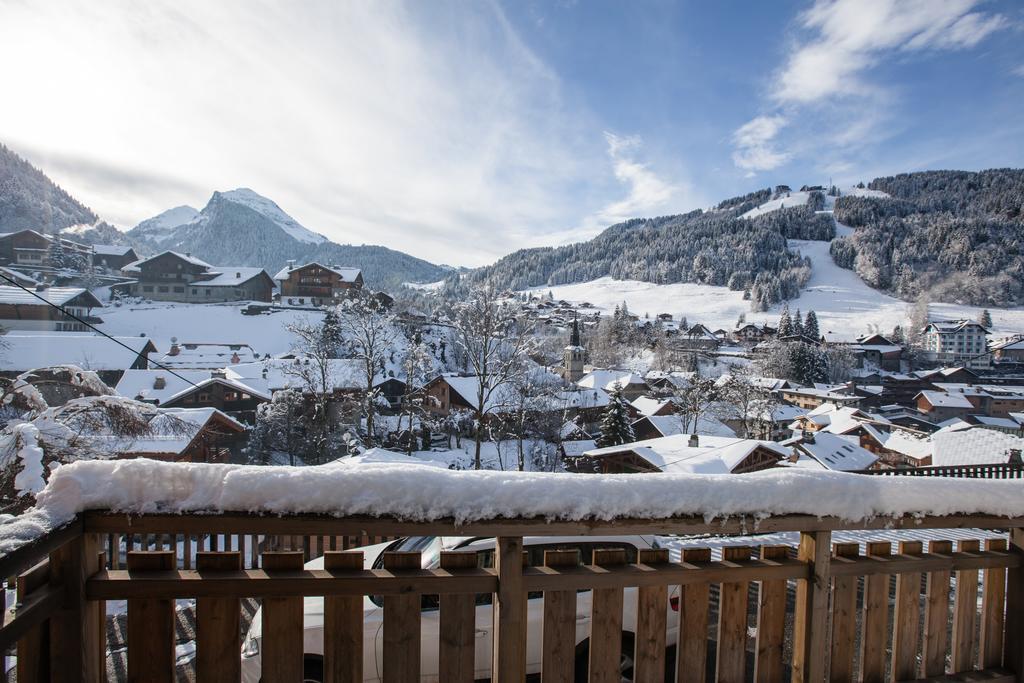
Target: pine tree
897, 335
798, 323
785, 322
811, 326
985, 319
615, 425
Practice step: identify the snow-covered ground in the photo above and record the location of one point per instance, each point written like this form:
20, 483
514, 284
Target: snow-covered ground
424, 286
202, 323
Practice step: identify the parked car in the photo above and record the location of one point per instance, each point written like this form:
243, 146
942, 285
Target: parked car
430, 547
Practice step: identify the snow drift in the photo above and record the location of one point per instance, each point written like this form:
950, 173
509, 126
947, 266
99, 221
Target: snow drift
419, 493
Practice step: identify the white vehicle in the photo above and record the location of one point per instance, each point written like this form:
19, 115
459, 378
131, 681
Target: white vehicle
431, 547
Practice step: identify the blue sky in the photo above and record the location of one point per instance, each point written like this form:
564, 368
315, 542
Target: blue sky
460, 131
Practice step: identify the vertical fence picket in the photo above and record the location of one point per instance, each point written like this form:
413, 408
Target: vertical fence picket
457, 627
218, 627
559, 630
508, 661
993, 602
401, 625
936, 615
810, 620
875, 618
151, 625
649, 662
343, 625
844, 617
32, 651
965, 607
907, 619
771, 622
731, 660
606, 622
692, 646
281, 647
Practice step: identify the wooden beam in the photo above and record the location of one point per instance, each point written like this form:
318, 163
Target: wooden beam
150, 625
1013, 656
965, 611
606, 622
559, 630
731, 653
692, 646
218, 625
906, 626
844, 617
457, 625
343, 625
993, 606
649, 662
936, 615
401, 629
875, 619
771, 622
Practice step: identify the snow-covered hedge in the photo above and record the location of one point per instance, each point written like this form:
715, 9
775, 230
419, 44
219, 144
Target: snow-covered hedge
419, 493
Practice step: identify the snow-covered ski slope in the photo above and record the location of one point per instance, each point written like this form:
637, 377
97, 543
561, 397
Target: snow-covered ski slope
846, 307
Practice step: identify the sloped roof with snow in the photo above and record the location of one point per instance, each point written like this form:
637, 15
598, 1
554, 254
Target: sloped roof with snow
230, 276
645, 405
941, 399
835, 452
974, 446
346, 273
184, 257
89, 352
111, 249
58, 296
607, 379
670, 425
143, 385
208, 356
908, 444
673, 454
275, 374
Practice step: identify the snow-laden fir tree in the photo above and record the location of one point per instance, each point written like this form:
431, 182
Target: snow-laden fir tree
616, 427
797, 326
985, 319
811, 325
785, 322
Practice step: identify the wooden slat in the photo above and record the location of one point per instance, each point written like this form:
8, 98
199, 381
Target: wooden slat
115, 551
1013, 658
33, 656
965, 607
907, 619
559, 634
844, 618
150, 625
457, 627
731, 660
993, 604
606, 622
936, 615
401, 625
810, 619
281, 646
186, 551
343, 625
77, 630
651, 603
218, 627
875, 619
508, 664
924, 563
771, 622
692, 646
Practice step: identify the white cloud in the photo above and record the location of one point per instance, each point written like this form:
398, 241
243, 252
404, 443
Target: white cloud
430, 129
755, 150
647, 194
827, 70
850, 36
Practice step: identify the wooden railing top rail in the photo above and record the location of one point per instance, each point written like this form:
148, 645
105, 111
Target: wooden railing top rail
102, 522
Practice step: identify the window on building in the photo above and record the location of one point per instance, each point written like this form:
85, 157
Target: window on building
179, 290
203, 397
163, 289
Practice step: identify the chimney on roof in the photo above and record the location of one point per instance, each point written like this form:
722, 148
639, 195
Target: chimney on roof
1015, 456
218, 374
807, 436
41, 287
188, 254
694, 441
175, 349
160, 382
235, 359
238, 275
291, 264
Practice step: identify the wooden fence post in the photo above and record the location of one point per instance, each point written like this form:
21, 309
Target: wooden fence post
281, 646
218, 625
810, 623
508, 660
78, 631
343, 625
402, 625
151, 624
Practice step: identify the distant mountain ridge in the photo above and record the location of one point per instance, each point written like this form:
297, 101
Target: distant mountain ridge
237, 227
241, 227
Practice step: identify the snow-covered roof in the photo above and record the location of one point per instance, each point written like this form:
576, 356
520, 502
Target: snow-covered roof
941, 399
54, 295
380, 456
908, 444
275, 374
646, 405
973, 446
607, 379
207, 356
89, 352
1000, 422
162, 386
111, 249
670, 425
835, 452
346, 273
18, 276
580, 398
673, 454
184, 257
230, 276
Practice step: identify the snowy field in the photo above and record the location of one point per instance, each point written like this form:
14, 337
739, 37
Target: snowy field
202, 323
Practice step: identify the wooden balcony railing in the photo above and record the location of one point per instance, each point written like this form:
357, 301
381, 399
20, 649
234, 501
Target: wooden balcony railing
996, 470
895, 614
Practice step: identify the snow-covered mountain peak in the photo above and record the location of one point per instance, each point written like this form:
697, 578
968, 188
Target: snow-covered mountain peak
162, 225
267, 208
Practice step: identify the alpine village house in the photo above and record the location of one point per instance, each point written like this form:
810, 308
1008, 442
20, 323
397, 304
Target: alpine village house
171, 276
